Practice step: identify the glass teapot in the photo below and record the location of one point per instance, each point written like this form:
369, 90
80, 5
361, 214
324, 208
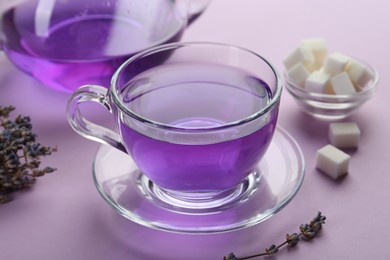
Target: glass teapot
69, 43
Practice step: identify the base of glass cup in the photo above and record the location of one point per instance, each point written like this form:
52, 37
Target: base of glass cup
198, 202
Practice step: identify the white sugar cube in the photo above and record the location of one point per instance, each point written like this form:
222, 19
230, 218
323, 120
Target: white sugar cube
342, 84
344, 135
359, 74
332, 161
300, 55
335, 63
319, 49
298, 74
317, 82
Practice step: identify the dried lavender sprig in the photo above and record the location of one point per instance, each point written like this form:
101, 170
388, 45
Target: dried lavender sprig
5, 111
20, 154
308, 231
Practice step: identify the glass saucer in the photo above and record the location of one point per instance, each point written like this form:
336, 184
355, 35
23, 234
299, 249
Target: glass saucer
278, 178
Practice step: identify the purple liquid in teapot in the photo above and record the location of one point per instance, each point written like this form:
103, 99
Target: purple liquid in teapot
72, 43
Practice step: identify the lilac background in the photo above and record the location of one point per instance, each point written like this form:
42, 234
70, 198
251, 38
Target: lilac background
63, 216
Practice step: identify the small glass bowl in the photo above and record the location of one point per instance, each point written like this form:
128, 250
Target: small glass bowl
328, 106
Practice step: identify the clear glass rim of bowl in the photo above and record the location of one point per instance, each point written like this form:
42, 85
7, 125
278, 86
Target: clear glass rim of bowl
360, 96
171, 46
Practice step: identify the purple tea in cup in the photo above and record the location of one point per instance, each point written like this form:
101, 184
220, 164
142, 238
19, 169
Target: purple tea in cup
196, 125
197, 96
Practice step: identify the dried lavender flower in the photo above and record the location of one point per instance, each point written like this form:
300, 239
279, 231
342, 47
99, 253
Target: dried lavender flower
20, 154
308, 231
292, 239
273, 249
231, 256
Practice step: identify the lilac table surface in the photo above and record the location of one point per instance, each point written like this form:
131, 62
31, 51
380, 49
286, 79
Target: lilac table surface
64, 217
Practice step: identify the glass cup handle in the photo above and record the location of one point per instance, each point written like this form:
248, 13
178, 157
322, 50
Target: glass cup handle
84, 127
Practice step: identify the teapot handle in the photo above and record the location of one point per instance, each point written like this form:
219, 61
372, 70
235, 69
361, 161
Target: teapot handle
194, 8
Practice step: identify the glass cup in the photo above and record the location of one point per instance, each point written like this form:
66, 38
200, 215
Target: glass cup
68, 43
196, 118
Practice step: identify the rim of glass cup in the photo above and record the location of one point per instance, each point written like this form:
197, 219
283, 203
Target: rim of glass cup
366, 93
273, 102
